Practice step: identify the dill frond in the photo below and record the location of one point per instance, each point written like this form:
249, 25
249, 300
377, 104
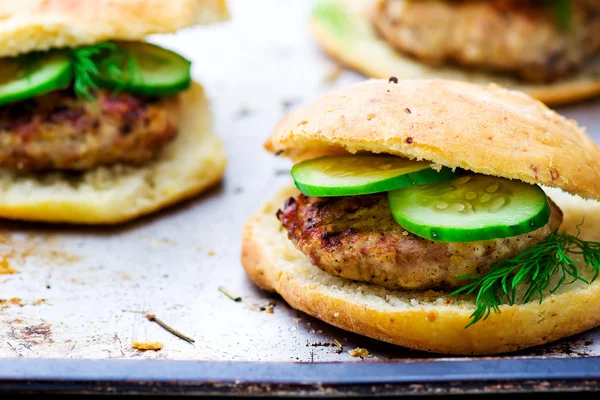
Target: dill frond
562, 11
536, 268
102, 58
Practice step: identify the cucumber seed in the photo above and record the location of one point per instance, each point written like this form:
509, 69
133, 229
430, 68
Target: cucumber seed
463, 180
441, 206
458, 206
470, 195
492, 188
497, 204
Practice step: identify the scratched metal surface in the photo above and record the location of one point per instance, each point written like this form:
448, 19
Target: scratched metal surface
83, 293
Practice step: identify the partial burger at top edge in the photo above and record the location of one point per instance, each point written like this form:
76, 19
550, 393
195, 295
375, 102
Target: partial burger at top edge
42, 25
347, 31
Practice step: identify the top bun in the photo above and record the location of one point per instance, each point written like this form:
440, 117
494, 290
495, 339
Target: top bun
485, 129
30, 25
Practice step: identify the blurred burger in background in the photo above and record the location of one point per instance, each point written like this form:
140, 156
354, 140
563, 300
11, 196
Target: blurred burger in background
98, 126
547, 48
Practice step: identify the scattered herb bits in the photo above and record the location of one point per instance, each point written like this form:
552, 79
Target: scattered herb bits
229, 294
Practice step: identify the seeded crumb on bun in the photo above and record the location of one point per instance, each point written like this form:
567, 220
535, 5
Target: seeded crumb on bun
485, 129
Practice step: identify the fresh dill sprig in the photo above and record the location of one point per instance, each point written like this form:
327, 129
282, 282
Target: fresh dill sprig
535, 268
562, 12
102, 58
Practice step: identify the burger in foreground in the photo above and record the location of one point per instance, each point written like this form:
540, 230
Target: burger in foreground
547, 48
96, 125
424, 218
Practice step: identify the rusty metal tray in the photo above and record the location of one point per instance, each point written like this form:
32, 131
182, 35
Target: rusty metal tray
78, 297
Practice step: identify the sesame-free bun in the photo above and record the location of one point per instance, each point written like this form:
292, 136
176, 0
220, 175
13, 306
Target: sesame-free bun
30, 25
424, 320
343, 29
194, 161
485, 129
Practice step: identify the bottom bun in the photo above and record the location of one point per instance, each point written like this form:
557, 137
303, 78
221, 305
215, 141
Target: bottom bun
343, 29
427, 320
194, 161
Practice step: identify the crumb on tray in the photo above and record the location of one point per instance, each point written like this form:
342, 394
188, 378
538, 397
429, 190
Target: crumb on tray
146, 345
5, 267
267, 307
359, 352
15, 301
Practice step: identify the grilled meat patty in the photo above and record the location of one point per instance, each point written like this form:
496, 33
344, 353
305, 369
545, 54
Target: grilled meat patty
357, 238
523, 37
58, 131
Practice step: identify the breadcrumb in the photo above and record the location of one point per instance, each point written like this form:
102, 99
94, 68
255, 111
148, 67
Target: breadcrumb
147, 345
358, 352
5, 268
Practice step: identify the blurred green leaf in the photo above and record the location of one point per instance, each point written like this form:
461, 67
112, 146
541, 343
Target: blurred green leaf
563, 13
333, 14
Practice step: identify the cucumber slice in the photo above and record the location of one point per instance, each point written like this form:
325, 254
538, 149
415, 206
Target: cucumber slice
470, 208
148, 70
33, 74
351, 175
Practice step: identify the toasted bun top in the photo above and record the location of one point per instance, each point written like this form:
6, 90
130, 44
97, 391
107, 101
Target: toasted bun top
30, 25
485, 129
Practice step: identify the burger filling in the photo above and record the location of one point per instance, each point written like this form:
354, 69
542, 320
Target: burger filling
402, 224
59, 131
357, 238
537, 40
76, 109
405, 224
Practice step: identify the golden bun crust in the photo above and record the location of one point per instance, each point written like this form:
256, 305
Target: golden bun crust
485, 129
194, 161
343, 29
429, 321
29, 25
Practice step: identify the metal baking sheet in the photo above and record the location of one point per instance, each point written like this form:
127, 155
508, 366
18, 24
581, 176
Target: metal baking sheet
83, 293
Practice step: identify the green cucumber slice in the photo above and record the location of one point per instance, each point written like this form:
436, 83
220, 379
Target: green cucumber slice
351, 175
149, 70
470, 208
33, 74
